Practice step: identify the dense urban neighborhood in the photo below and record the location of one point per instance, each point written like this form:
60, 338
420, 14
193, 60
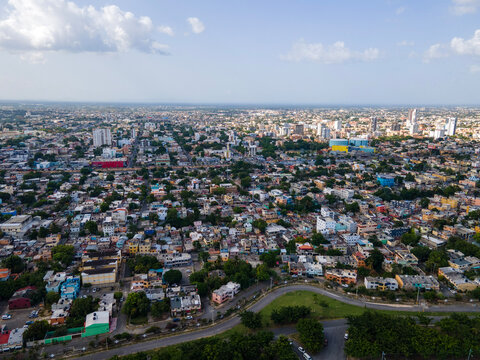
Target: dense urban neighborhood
122, 223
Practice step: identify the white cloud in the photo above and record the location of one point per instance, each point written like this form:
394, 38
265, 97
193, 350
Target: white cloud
196, 24
475, 69
166, 30
400, 10
331, 54
466, 47
35, 26
462, 7
435, 51
33, 57
406, 43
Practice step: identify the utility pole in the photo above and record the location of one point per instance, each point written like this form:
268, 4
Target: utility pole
418, 295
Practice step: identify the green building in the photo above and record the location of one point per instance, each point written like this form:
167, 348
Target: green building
97, 323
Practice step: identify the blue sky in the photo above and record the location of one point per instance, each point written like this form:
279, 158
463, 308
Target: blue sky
263, 51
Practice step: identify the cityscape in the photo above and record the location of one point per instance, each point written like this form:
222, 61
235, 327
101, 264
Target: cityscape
169, 191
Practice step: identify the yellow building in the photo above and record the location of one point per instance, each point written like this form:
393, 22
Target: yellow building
103, 276
133, 247
340, 148
449, 201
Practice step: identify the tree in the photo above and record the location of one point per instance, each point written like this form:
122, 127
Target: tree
14, 263
104, 206
260, 224
118, 295
172, 277
270, 258
37, 331
79, 310
311, 334
251, 319
375, 260
64, 254
91, 227
289, 314
52, 297
136, 305
159, 308
263, 272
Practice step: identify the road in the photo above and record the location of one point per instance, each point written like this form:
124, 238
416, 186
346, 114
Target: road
334, 350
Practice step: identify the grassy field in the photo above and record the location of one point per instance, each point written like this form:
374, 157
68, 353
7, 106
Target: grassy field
323, 307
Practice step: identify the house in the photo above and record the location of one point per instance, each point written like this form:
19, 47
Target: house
342, 276
185, 304
225, 292
459, 281
21, 298
103, 276
70, 288
378, 283
414, 282
97, 323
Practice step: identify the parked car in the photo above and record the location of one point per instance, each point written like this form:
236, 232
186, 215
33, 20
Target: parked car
29, 322
302, 350
189, 317
176, 319
345, 336
6, 317
306, 356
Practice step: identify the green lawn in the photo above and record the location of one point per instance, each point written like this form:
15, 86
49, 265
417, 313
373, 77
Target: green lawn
323, 307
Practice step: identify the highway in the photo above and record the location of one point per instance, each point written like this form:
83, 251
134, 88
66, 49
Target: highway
334, 350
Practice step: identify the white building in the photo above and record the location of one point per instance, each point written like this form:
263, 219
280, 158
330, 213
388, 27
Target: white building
374, 283
451, 126
325, 225
102, 137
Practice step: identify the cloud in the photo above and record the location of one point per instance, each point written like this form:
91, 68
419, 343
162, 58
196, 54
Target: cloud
462, 7
475, 69
400, 10
406, 43
436, 51
471, 46
35, 26
196, 24
33, 57
331, 54
166, 30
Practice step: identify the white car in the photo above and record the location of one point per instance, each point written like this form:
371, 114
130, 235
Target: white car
345, 336
6, 317
302, 350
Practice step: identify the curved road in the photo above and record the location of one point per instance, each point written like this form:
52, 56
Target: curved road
259, 305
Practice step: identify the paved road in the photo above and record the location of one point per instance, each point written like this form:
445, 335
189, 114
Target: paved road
335, 347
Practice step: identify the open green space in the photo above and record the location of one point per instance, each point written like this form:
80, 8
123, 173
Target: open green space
324, 307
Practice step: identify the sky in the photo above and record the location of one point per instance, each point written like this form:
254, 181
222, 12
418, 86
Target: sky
317, 52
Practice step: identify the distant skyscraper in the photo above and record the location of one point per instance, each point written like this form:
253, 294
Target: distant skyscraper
412, 117
134, 133
451, 126
323, 131
373, 124
413, 128
337, 125
102, 137
299, 128
395, 127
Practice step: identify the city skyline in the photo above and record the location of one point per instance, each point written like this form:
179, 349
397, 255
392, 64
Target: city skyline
379, 53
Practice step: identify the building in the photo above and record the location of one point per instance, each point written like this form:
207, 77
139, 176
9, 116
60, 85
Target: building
16, 225
451, 126
97, 323
386, 180
21, 298
102, 137
225, 292
109, 163
459, 281
299, 129
373, 124
378, 283
70, 288
103, 276
412, 117
414, 282
342, 276
185, 304
176, 260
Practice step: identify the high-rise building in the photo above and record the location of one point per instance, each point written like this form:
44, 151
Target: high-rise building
102, 137
373, 124
337, 125
323, 131
412, 117
299, 128
413, 128
451, 126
